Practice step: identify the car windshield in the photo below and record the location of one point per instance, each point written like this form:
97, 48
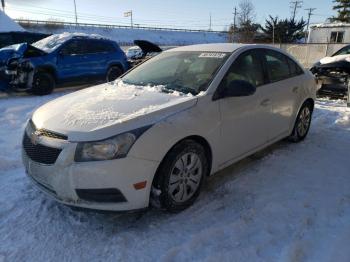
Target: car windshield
50, 43
182, 71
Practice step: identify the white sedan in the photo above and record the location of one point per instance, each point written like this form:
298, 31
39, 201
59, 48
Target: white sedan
155, 134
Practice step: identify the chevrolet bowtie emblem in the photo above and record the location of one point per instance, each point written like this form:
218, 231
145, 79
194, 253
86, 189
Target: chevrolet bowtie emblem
35, 137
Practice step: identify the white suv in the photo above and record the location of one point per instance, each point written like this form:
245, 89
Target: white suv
155, 134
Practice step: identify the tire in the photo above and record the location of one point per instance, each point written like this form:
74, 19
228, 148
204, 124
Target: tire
43, 83
113, 73
180, 176
302, 123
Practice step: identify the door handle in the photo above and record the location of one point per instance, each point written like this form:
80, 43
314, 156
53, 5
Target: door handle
265, 102
295, 89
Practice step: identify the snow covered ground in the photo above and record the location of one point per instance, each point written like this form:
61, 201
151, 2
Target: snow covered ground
288, 203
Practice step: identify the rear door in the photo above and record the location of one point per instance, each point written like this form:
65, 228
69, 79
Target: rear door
285, 88
97, 56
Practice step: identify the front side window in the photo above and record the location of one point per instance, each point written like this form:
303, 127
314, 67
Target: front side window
74, 47
183, 71
246, 67
277, 66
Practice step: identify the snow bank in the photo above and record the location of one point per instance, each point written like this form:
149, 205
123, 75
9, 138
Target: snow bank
288, 203
7, 24
128, 35
334, 59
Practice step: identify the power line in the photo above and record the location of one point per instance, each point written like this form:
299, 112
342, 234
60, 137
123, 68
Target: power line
295, 5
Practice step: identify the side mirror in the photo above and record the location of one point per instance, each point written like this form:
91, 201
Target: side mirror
237, 88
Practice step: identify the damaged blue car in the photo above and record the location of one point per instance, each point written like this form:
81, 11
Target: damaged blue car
62, 60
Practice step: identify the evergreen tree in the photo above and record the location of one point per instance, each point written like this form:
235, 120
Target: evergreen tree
286, 30
343, 9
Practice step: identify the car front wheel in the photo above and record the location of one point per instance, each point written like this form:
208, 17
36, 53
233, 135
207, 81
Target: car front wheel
180, 176
43, 83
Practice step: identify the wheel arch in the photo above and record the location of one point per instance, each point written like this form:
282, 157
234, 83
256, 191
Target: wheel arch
49, 69
196, 138
118, 64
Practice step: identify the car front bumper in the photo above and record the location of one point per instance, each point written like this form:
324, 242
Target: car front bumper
112, 185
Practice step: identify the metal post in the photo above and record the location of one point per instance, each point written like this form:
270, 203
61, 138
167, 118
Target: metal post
75, 11
273, 33
348, 96
132, 23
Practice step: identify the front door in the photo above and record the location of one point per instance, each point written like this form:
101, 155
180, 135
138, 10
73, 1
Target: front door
244, 120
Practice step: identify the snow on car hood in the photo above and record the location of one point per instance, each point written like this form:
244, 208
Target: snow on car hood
334, 59
106, 110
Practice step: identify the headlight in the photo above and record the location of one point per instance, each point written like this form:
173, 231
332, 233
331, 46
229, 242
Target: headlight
111, 148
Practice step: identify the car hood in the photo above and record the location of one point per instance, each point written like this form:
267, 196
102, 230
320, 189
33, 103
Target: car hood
12, 51
106, 110
147, 47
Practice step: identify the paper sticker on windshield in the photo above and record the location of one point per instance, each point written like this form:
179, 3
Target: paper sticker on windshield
212, 55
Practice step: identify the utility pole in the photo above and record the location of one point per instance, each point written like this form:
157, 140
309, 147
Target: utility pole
310, 13
295, 5
3, 5
209, 21
235, 13
75, 11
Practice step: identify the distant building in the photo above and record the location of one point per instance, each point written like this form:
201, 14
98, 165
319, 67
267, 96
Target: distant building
338, 33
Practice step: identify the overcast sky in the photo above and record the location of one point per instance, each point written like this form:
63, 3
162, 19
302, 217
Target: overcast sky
179, 13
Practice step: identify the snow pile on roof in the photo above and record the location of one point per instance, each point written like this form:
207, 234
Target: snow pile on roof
327, 25
334, 59
52, 42
7, 24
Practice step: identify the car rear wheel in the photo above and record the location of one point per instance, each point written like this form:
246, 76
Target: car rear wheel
113, 73
180, 177
302, 123
43, 83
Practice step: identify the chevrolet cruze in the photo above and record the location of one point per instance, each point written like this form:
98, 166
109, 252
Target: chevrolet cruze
154, 135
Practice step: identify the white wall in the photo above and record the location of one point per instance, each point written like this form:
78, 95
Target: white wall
127, 35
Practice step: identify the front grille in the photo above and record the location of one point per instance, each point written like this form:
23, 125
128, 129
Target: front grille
47, 133
40, 153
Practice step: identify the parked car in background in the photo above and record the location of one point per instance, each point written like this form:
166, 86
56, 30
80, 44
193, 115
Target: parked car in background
142, 51
333, 73
11, 38
156, 133
64, 59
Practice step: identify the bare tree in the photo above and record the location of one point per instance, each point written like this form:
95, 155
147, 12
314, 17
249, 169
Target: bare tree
246, 12
247, 29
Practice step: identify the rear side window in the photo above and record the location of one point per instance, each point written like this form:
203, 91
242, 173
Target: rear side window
295, 69
247, 67
277, 66
95, 47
